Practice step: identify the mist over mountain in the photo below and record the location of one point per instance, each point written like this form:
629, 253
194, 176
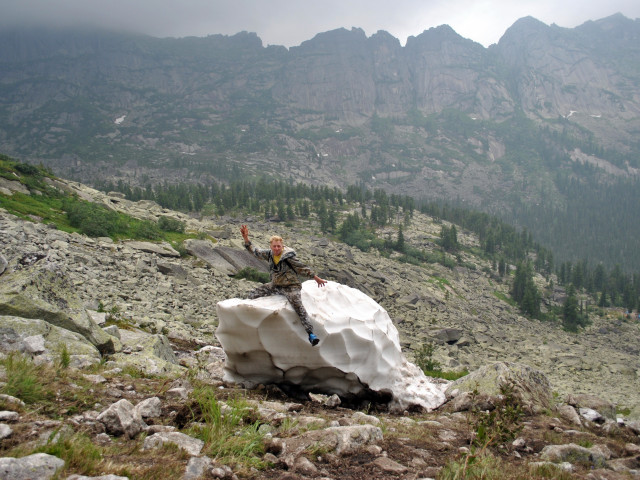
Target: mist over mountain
540, 129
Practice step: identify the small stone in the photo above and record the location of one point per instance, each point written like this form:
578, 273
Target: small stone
389, 466
7, 416
5, 431
303, 465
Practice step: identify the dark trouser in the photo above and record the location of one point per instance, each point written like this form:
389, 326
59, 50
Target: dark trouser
293, 295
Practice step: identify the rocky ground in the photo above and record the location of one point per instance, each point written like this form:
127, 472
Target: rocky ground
158, 318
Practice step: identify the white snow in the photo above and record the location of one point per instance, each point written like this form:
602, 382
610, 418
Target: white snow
359, 346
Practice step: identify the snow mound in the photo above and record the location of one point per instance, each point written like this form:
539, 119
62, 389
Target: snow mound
359, 347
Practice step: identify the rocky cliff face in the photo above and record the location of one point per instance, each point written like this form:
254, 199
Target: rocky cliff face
338, 78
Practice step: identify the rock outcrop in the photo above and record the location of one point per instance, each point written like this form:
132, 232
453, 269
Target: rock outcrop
530, 387
359, 349
36, 289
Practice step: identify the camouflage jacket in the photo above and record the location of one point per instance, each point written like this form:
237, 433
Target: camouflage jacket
285, 273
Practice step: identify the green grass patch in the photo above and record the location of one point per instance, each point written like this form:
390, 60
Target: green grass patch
423, 358
23, 379
68, 213
447, 375
505, 298
79, 454
229, 431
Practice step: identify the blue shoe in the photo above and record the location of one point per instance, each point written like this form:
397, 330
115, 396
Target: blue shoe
313, 340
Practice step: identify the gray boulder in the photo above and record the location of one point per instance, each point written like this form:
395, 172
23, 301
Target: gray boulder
3, 264
43, 292
223, 259
591, 415
569, 413
5, 431
574, 454
192, 446
339, 440
101, 477
197, 467
149, 408
448, 335
149, 353
163, 249
205, 251
39, 466
122, 418
593, 402
530, 387
38, 337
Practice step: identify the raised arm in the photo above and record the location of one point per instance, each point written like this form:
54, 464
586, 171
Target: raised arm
244, 231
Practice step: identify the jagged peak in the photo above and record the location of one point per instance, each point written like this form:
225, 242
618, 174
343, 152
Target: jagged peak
523, 27
436, 35
615, 21
384, 35
338, 35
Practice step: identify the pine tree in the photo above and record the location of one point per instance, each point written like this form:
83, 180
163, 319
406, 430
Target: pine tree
572, 318
400, 246
524, 291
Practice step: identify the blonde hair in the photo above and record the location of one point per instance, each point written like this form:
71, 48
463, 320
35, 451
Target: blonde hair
276, 238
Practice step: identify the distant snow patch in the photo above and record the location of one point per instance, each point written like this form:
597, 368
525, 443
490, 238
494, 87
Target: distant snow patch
119, 120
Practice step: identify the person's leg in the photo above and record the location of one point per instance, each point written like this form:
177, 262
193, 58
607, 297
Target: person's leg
262, 291
294, 297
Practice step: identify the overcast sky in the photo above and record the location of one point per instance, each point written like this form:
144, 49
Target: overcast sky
290, 22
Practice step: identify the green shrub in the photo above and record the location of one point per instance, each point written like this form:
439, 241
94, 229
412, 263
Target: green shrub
168, 224
431, 367
65, 357
27, 169
424, 358
93, 219
146, 230
502, 424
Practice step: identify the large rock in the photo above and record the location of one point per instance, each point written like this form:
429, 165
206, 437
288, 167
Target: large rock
603, 407
339, 440
41, 291
16, 333
573, 453
3, 264
205, 250
531, 387
39, 465
122, 418
163, 249
359, 347
223, 259
150, 353
193, 446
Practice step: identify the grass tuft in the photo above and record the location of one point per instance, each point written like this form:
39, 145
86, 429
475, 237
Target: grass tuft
230, 434
23, 379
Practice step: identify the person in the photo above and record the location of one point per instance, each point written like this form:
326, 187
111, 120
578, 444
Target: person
284, 268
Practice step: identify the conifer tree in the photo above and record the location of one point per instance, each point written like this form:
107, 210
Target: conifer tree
400, 246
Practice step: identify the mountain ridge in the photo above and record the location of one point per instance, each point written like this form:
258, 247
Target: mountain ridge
501, 128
